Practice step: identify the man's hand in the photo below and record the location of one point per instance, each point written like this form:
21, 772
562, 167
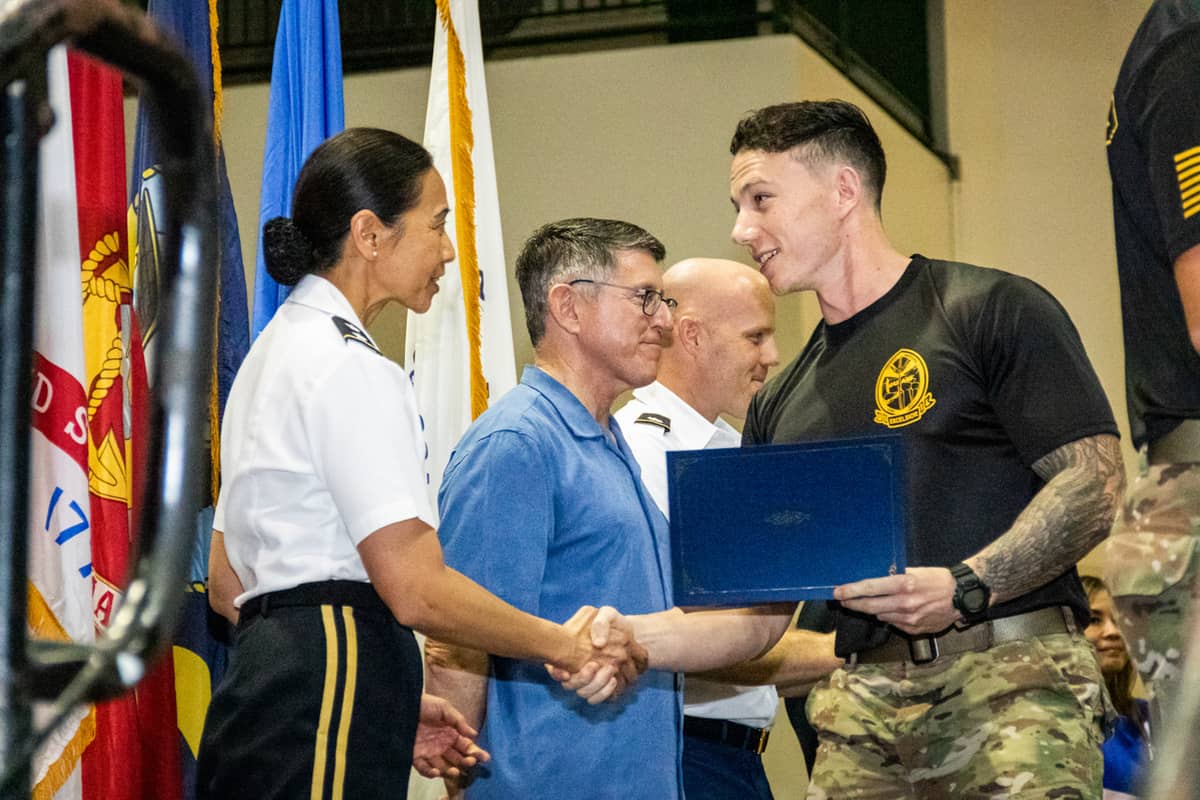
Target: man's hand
918, 601
445, 744
614, 659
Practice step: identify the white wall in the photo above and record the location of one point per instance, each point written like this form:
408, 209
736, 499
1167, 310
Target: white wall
1028, 90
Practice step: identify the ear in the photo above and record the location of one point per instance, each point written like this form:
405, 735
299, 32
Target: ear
689, 334
849, 187
366, 231
563, 308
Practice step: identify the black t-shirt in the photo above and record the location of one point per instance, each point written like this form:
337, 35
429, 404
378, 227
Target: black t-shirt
1154, 160
984, 374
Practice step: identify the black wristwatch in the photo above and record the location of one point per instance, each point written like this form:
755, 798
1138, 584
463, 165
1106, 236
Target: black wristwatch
971, 595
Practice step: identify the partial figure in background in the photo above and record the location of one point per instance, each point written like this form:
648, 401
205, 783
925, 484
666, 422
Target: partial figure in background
1153, 139
1126, 748
324, 550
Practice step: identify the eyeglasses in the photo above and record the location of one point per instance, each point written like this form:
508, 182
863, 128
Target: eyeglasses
651, 298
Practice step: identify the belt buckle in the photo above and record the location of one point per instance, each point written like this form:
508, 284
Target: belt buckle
761, 746
923, 650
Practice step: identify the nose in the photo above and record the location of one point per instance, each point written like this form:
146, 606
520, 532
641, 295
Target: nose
1109, 629
662, 317
770, 351
447, 248
743, 231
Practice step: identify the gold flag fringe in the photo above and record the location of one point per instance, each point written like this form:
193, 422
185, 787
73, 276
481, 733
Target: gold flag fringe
462, 143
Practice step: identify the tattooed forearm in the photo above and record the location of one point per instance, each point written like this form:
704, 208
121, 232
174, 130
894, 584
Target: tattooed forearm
1064, 521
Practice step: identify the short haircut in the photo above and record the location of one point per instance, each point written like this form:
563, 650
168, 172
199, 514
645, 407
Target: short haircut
569, 249
817, 132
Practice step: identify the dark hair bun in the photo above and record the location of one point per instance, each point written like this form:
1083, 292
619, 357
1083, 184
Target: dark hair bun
286, 251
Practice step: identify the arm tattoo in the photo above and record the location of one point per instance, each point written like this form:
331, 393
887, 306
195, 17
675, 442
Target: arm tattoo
1069, 516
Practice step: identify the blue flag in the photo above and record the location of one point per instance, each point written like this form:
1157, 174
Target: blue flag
306, 109
199, 654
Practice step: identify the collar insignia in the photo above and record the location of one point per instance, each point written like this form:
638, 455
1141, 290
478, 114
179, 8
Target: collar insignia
352, 333
650, 418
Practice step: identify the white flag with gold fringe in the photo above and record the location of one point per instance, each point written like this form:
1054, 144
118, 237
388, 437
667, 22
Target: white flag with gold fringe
460, 353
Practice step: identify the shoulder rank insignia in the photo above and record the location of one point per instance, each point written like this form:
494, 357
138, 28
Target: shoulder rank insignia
650, 418
352, 333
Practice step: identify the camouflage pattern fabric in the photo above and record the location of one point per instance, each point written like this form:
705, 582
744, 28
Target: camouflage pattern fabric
1021, 720
1153, 560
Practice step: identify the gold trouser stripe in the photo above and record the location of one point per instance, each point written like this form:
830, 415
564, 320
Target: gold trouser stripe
343, 734
331, 670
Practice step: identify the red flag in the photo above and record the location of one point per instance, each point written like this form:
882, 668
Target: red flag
60, 541
135, 755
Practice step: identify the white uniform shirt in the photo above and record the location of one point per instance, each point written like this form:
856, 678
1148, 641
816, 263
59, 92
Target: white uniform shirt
320, 446
749, 705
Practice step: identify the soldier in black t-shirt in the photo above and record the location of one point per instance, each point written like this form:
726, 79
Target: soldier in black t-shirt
1153, 567
967, 674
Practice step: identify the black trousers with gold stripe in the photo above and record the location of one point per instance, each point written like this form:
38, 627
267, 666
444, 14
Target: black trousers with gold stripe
320, 700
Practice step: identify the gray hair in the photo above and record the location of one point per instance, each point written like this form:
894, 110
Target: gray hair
563, 251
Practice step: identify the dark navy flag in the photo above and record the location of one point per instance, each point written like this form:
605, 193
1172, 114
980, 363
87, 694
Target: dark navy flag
199, 655
306, 109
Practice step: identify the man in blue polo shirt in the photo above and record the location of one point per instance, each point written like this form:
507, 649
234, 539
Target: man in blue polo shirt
542, 502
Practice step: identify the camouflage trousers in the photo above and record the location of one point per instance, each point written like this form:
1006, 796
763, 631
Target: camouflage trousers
1023, 719
1153, 561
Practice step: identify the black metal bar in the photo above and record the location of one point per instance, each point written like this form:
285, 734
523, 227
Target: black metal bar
17, 291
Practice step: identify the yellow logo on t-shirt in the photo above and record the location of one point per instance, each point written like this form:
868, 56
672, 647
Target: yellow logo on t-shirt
902, 390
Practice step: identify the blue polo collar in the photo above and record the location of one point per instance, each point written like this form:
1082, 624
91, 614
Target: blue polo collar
574, 415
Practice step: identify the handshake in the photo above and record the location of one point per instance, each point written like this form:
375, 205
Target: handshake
606, 659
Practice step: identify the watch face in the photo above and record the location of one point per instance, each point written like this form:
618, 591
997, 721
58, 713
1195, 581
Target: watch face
974, 600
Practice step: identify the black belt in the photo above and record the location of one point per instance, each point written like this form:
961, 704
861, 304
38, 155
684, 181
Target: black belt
333, 593
926, 649
1181, 445
731, 734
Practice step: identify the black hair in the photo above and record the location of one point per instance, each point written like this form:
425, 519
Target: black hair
1120, 684
817, 131
573, 248
359, 168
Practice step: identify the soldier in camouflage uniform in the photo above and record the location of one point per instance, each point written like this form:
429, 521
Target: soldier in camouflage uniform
1153, 562
967, 675
1154, 159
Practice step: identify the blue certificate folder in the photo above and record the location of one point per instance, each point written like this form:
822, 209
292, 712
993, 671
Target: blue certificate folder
785, 522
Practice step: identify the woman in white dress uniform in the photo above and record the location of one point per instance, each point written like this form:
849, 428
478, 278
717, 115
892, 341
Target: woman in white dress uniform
324, 549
